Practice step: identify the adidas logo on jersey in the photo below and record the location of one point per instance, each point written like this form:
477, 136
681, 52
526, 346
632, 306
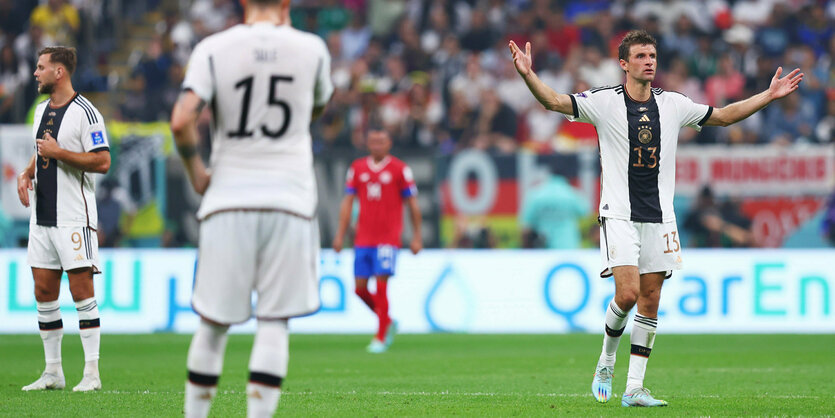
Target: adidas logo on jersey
644, 118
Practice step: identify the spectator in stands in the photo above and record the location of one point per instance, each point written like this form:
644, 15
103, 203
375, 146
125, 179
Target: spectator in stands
12, 19
726, 86
210, 16
825, 129
712, 225
154, 68
598, 69
790, 121
354, 39
331, 17
553, 210
59, 20
480, 36
472, 82
495, 124
14, 75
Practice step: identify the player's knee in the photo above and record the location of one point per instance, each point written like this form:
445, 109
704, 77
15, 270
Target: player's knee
44, 292
626, 298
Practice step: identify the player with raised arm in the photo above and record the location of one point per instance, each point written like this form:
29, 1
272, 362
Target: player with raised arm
71, 143
638, 128
381, 182
264, 81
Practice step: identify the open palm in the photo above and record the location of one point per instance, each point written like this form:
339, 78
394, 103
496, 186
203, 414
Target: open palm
522, 60
782, 87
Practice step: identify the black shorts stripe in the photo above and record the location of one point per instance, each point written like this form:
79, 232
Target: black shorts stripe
265, 379
641, 350
88, 323
49, 326
202, 379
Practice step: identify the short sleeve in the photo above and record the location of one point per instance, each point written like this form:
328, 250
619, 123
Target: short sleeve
692, 114
408, 188
93, 131
199, 77
585, 106
350, 182
324, 86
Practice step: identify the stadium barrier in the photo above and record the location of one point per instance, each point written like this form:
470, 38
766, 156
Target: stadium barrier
470, 291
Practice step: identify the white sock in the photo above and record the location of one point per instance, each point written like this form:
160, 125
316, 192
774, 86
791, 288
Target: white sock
88, 328
615, 324
52, 332
642, 339
205, 362
267, 368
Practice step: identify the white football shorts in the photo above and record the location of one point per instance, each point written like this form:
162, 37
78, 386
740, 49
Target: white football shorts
652, 247
275, 254
62, 247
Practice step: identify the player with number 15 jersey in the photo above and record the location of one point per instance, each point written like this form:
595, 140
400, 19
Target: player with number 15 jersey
264, 82
261, 82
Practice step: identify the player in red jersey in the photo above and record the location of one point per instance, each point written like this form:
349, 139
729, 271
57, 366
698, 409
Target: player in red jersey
382, 183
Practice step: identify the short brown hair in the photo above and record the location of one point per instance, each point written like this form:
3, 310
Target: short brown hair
635, 37
62, 55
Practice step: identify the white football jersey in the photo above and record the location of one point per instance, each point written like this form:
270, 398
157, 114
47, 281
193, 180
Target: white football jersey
638, 143
65, 195
262, 82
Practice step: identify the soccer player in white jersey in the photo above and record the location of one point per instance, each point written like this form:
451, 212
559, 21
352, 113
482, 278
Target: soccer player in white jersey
71, 143
638, 128
265, 81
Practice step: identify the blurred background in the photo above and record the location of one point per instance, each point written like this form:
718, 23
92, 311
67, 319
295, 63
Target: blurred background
494, 169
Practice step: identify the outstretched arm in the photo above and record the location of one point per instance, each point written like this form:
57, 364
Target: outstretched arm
735, 112
549, 98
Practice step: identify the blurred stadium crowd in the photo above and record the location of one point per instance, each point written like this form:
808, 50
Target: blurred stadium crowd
436, 73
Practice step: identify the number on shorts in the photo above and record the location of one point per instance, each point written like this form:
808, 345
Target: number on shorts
76, 239
675, 241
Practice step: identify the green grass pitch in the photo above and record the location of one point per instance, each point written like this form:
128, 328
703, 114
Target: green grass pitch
441, 375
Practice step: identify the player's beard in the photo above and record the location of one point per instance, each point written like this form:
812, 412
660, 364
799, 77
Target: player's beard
46, 88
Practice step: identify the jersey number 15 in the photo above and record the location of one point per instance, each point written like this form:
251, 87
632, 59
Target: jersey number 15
272, 100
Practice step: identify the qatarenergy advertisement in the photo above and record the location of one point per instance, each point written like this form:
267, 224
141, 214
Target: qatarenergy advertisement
470, 291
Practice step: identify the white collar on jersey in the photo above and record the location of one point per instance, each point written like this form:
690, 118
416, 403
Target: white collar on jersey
375, 167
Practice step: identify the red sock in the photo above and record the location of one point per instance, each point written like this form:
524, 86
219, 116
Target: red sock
366, 297
381, 301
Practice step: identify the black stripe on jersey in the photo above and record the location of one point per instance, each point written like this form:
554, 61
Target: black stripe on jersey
46, 173
84, 198
86, 107
90, 107
707, 116
574, 110
644, 159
